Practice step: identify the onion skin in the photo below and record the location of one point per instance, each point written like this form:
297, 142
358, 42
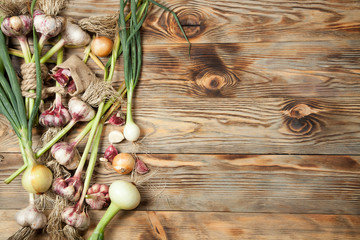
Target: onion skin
101, 46
124, 195
131, 131
37, 179
123, 163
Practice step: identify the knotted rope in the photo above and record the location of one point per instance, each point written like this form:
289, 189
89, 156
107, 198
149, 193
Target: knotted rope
28, 72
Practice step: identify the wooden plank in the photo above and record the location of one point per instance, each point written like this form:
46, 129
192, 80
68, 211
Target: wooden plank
230, 183
236, 21
215, 225
271, 69
244, 126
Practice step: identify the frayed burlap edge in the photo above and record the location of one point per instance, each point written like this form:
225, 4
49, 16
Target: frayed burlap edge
98, 91
101, 25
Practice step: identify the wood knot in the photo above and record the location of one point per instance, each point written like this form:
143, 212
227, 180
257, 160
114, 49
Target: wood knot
213, 82
192, 20
301, 118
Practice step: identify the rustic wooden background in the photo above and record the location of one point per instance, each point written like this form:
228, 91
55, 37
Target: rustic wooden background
254, 136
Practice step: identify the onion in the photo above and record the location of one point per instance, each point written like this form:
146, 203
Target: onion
123, 163
123, 196
131, 131
37, 179
101, 46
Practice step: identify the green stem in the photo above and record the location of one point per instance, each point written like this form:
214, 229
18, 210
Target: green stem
53, 50
83, 132
87, 53
25, 48
98, 233
22, 168
129, 117
55, 139
92, 162
90, 139
41, 45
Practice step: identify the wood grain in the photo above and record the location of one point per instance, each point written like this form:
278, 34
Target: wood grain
235, 21
247, 126
215, 225
230, 183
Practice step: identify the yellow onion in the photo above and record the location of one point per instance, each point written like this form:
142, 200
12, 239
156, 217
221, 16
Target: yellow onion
123, 163
101, 46
37, 179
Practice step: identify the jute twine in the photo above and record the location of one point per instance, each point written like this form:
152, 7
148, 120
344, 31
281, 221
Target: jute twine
24, 233
52, 7
13, 7
28, 71
101, 25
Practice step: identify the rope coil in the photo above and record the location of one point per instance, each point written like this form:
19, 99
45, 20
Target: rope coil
28, 72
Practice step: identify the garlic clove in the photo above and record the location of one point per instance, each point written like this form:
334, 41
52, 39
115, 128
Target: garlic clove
140, 167
55, 116
62, 76
110, 153
115, 136
116, 119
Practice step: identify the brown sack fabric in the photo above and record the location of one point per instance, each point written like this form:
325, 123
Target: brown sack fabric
80, 73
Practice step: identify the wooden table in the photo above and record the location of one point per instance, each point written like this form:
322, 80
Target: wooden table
256, 135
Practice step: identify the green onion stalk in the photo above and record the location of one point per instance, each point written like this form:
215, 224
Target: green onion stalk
132, 53
37, 178
124, 195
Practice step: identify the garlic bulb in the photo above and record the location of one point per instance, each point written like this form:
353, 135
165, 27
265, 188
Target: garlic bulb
66, 154
31, 217
16, 26
73, 217
49, 26
80, 111
98, 196
69, 188
74, 35
56, 116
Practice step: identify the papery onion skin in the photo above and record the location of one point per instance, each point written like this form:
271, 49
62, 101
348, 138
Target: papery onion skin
37, 179
124, 195
131, 131
123, 163
101, 46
